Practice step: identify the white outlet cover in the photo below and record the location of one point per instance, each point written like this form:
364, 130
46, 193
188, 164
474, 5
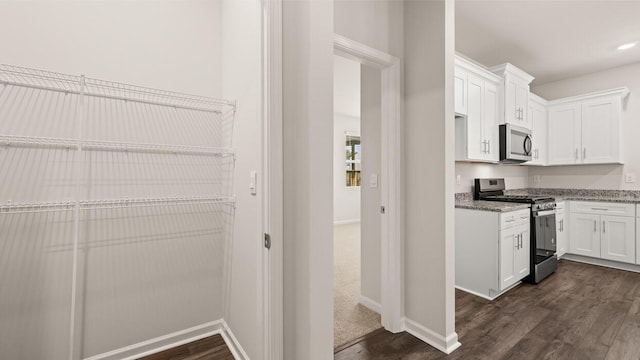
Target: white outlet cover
458, 180
630, 177
537, 178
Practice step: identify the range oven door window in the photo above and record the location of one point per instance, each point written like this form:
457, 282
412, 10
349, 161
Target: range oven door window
545, 235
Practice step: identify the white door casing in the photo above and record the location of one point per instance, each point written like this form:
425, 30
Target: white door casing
390, 178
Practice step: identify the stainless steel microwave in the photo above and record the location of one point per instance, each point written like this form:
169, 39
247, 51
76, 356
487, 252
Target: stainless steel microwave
515, 144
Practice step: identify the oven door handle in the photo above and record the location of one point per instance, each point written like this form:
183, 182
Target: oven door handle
545, 213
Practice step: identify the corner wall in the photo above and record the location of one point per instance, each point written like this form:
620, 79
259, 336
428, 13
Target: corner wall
597, 176
429, 172
308, 179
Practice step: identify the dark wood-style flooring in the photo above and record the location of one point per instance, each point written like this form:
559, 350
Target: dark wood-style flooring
581, 312
210, 348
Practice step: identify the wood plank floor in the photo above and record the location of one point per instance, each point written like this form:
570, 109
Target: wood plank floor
210, 348
581, 312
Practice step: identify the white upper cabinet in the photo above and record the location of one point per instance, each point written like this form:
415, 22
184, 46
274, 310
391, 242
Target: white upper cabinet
460, 86
538, 117
586, 129
601, 131
515, 96
563, 134
477, 115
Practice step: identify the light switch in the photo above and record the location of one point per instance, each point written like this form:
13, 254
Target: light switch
253, 180
373, 181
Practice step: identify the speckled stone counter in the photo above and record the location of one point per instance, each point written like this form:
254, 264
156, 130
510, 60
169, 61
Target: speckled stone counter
495, 206
465, 201
614, 196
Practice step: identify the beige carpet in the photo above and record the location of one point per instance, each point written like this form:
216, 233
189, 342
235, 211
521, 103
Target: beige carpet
351, 320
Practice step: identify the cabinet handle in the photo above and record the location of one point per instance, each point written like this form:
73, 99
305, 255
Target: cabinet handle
484, 146
488, 146
562, 225
517, 113
595, 223
601, 209
603, 229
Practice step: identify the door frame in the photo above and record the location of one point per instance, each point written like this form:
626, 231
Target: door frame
272, 284
392, 296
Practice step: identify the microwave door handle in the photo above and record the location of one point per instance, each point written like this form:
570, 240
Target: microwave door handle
527, 145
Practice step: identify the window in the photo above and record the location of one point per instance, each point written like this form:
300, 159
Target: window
353, 160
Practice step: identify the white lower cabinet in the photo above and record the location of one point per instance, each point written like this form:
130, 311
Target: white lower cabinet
618, 240
514, 255
596, 233
561, 231
492, 250
638, 234
585, 234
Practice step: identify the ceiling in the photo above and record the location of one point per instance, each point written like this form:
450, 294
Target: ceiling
550, 39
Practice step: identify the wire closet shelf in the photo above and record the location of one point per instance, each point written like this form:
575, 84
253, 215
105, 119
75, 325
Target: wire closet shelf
20, 106
103, 180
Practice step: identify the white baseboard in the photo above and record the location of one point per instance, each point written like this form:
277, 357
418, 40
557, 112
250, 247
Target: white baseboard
346, 222
370, 304
488, 297
177, 338
602, 262
446, 345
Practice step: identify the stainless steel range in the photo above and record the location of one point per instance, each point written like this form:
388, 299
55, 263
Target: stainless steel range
543, 225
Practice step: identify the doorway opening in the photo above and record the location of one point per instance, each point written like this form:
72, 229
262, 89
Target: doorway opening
357, 262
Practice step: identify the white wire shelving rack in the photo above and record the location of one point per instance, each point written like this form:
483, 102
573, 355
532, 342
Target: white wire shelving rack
23, 77
27, 94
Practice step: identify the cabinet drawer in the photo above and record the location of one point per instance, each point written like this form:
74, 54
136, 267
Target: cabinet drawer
514, 218
601, 208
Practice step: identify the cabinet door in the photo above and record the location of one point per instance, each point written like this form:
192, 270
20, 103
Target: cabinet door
563, 135
538, 117
601, 131
585, 234
491, 121
511, 111
618, 238
523, 254
476, 143
638, 236
508, 251
561, 235
522, 103
460, 86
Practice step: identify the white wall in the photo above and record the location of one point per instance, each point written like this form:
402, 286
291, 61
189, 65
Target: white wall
308, 209
515, 176
346, 108
161, 44
429, 171
242, 81
173, 45
597, 176
374, 23
370, 245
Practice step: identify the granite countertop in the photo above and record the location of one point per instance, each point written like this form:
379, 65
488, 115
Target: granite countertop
495, 206
613, 196
465, 200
